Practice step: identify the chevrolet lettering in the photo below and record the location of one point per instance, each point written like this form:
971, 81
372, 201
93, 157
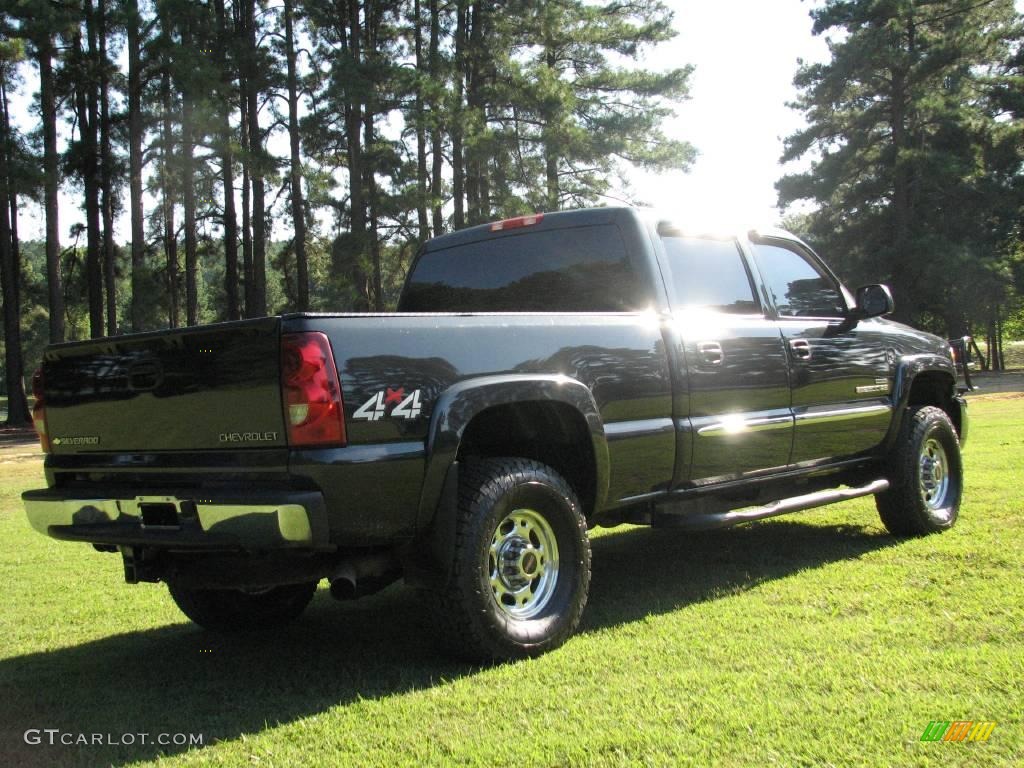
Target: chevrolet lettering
248, 437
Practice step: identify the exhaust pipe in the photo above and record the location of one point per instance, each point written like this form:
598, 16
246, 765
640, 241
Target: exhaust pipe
343, 582
363, 575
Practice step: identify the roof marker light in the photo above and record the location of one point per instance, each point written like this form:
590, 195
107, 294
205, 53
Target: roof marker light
517, 222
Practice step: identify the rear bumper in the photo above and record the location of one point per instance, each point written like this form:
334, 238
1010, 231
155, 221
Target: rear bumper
228, 522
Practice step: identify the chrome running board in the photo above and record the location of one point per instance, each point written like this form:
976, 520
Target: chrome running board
703, 521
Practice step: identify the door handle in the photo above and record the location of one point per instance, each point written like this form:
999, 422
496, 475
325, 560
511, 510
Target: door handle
801, 348
711, 352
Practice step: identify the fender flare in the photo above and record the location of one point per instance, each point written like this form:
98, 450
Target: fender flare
458, 405
428, 559
907, 368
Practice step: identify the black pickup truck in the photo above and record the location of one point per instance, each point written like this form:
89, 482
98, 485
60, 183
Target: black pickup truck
543, 375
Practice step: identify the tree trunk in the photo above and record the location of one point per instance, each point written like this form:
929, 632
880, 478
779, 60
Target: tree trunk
421, 129
902, 182
10, 276
357, 198
991, 358
230, 227
246, 202
458, 169
227, 169
135, 131
900, 204
298, 208
51, 185
258, 308
371, 25
371, 195
550, 145
188, 187
475, 185
106, 177
88, 118
999, 339
167, 174
437, 148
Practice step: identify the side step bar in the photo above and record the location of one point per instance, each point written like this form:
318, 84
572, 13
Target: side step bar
712, 520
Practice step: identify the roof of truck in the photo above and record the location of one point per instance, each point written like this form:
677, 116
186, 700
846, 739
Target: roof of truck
590, 217
535, 222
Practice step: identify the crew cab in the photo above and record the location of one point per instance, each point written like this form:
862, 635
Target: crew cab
543, 375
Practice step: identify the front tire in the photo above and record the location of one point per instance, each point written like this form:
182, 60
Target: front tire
521, 569
926, 475
236, 610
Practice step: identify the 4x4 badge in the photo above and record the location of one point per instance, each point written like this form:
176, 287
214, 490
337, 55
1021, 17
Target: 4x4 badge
405, 406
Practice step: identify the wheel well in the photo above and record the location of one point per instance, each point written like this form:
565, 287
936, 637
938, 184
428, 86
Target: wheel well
553, 433
935, 388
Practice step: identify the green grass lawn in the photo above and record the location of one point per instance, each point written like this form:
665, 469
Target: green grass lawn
815, 639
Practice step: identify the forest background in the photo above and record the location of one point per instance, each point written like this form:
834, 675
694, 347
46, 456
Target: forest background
362, 128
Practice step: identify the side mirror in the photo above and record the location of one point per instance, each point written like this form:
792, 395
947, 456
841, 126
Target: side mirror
873, 301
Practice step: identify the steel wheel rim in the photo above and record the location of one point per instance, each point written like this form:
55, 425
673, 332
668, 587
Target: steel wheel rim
522, 564
934, 475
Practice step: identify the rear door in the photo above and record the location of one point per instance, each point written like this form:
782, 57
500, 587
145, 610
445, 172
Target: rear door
840, 373
737, 408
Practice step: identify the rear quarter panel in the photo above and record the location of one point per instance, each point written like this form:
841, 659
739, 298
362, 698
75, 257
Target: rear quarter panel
373, 484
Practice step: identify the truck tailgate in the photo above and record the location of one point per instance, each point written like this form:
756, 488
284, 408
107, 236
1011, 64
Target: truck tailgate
210, 387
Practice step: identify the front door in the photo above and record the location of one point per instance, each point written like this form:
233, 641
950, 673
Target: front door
839, 370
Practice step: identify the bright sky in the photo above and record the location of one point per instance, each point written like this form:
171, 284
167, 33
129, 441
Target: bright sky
745, 53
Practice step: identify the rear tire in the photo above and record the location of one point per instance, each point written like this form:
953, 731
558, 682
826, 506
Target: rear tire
925, 475
235, 610
521, 568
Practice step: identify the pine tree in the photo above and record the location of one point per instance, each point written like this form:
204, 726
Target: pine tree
295, 162
551, 114
41, 26
106, 161
13, 165
88, 116
136, 129
167, 106
256, 159
910, 185
225, 40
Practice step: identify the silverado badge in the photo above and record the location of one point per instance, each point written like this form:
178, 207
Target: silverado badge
880, 385
76, 440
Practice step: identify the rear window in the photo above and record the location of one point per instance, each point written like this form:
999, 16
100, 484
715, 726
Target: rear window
582, 269
710, 274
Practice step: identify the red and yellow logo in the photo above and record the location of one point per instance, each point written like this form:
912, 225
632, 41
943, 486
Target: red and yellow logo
958, 730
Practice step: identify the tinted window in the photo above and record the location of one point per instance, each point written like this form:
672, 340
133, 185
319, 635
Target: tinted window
583, 269
798, 287
709, 273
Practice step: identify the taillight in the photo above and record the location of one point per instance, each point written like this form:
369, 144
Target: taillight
314, 412
39, 409
517, 222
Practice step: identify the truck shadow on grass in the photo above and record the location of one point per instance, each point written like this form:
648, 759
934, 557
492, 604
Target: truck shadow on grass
179, 679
